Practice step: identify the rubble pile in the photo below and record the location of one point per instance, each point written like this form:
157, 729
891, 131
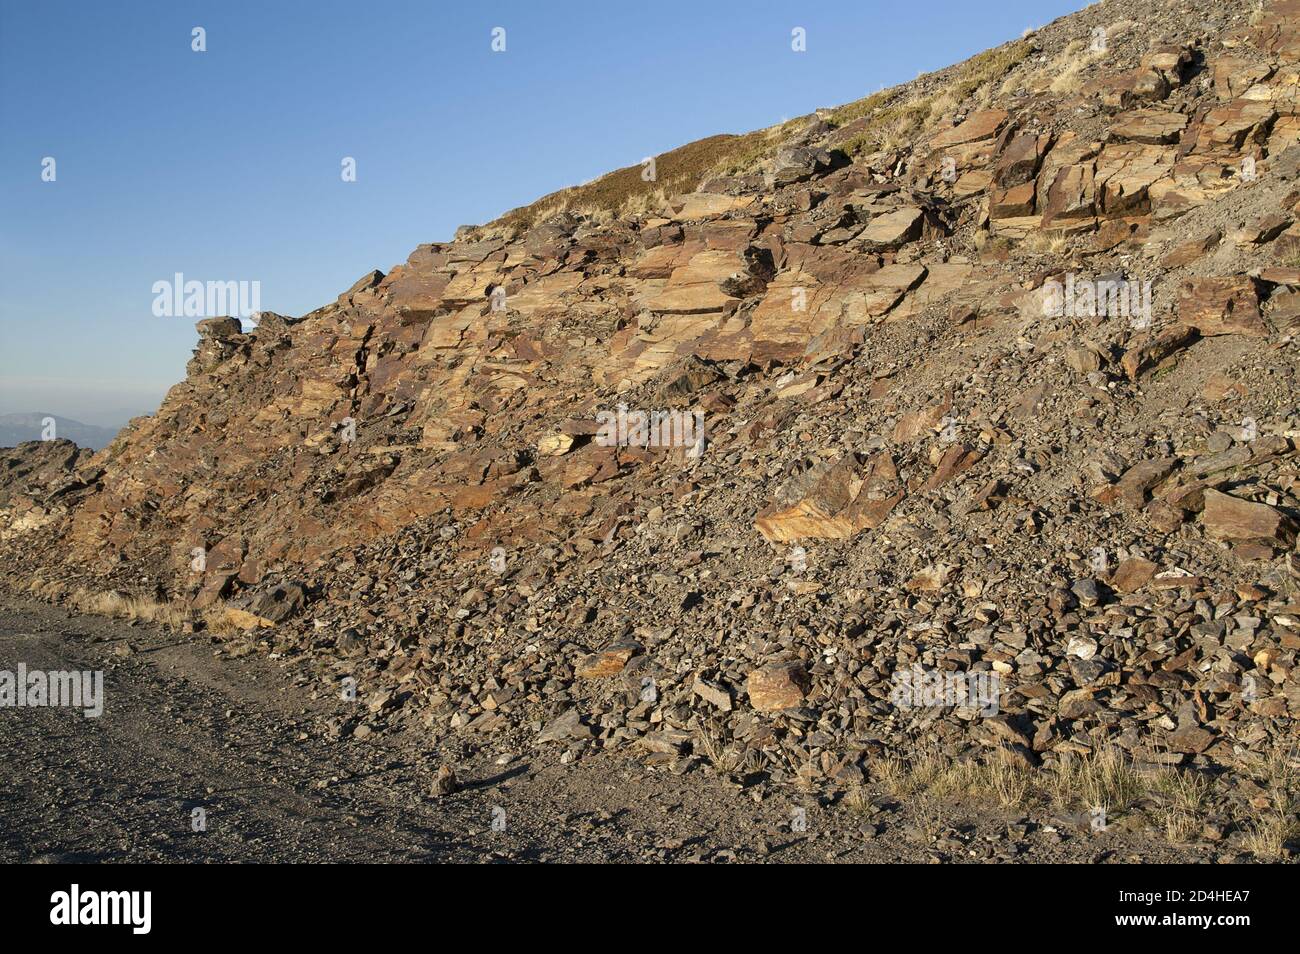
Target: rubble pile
1015, 397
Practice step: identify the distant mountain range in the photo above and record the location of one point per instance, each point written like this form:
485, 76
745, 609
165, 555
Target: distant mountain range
16, 428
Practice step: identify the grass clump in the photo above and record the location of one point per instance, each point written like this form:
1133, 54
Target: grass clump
123, 606
1271, 833
1176, 800
1182, 796
985, 68
1103, 779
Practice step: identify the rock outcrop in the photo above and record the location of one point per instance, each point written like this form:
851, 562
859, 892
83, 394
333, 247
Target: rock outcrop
995, 364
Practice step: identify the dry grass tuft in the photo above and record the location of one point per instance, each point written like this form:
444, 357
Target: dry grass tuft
1044, 243
1277, 771
124, 606
1183, 796
1270, 835
1100, 779
677, 171
1009, 780
857, 799
645, 202
904, 778
726, 759
217, 622
51, 591
887, 127
1000, 779
1068, 66
979, 72
1106, 779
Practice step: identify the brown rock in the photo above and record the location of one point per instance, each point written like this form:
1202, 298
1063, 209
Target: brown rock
892, 229
1014, 202
719, 697
1018, 164
1219, 386
1262, 230
699, 285
984, 124
1131, 490
1275, 29
555, 445
1288, 242
931, 579
706, 205
1162, 517
607, 662
1233, 75
1078, 703
1149, 352
774, 688
1071, 197
1190, 739
955, 460
1132, 574
1222, 306
918, 423
851, 496
1234, 125
445, 782
1193, 250
1231, 518
1125, 174
242, 619
1150, 126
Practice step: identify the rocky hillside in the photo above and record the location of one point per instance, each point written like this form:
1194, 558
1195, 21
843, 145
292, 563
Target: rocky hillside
985, 380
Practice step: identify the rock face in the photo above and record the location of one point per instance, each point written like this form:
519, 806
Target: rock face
992, 374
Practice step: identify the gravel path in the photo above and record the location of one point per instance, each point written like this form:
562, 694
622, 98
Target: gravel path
185, 729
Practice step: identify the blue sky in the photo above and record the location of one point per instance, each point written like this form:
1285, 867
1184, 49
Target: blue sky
225, 165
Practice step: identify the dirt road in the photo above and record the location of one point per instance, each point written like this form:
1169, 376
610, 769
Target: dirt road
247, 745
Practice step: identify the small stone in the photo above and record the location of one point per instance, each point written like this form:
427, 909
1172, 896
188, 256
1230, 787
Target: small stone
716, 695
565, 727
554, 445
1081, 647
1087, 592
1132, 574
607, 662
444, 783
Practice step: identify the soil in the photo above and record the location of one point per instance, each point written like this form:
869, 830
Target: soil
185, 727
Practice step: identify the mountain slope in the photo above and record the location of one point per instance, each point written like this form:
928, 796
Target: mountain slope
927, 450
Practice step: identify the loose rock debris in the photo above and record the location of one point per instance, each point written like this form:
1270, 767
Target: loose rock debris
1012, 394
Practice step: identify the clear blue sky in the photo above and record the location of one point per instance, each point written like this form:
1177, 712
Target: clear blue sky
225, 165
